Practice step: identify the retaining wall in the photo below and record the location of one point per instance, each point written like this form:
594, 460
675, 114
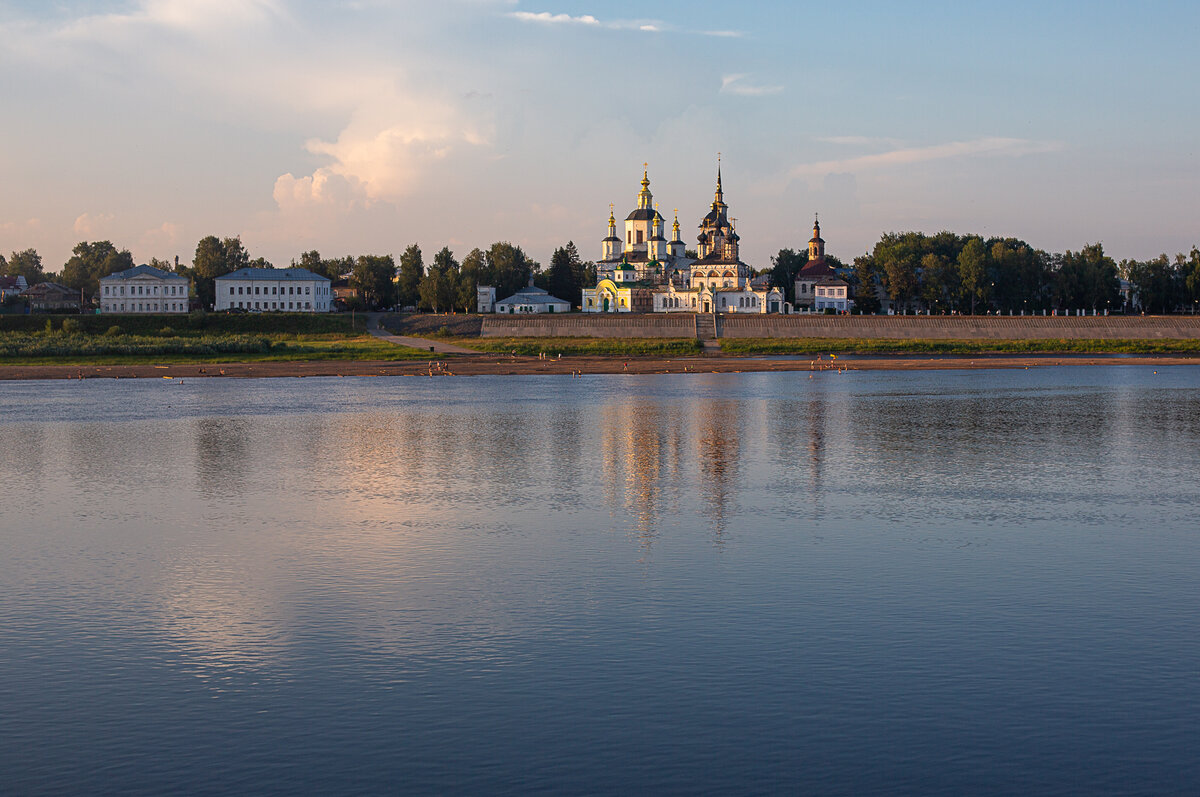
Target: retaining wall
636, 325
626, 325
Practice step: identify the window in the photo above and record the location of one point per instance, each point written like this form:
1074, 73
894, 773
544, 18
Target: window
231, 290
307, 289
307, 305
106, 290
639, 236
628, 237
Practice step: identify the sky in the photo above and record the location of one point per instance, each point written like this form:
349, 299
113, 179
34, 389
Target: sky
363, 126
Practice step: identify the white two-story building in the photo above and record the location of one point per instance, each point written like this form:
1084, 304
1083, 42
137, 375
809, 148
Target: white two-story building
288, 290
144, 289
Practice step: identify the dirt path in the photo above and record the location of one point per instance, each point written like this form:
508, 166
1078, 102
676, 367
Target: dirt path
493, 364
424, 344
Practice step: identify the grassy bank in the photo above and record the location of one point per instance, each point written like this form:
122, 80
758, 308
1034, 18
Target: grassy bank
123, 340
930, 346
615, 347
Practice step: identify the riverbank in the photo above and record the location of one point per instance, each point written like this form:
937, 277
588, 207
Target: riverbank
521, 366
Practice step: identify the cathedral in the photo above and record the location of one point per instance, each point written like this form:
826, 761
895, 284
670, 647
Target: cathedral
647, 273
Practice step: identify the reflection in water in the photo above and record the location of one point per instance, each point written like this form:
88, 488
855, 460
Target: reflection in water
718, 449
222, 456
371, 582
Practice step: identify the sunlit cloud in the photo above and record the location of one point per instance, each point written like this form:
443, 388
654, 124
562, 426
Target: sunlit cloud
994, 147
546, 18
92, 224
736, 84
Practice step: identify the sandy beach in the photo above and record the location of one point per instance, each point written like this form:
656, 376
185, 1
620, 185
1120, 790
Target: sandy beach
517, 366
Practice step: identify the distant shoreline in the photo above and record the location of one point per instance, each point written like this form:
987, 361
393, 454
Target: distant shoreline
500, 365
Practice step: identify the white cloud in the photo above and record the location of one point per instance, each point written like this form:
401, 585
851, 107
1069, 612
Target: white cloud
735, 84
159, 240
995, 147
546, 18
859, 141
89, 225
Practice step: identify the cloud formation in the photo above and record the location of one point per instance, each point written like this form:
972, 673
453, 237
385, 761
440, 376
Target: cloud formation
995, 147
736, 84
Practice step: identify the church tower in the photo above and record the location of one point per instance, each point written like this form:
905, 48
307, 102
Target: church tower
612, 244
716, 233
816, 246
676, 247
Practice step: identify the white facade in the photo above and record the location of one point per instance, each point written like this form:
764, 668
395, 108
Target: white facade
832, 293
485, 299
279, 290
144, 289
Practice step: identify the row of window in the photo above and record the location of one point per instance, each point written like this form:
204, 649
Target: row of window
272, 305
277, 290
144, 290
144, 307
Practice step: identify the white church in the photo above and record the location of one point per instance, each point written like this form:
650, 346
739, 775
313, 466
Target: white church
645, 272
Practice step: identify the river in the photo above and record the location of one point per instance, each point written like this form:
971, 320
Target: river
931, 583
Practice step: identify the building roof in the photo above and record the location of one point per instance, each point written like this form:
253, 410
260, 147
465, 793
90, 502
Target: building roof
831, 280
276, 274
644, 214
815, 269
532, 295
50, 287
144, 271
13, 283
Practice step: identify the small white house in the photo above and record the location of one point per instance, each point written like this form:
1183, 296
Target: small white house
831, 293
287, 290
485, 299
144, 289
532, 300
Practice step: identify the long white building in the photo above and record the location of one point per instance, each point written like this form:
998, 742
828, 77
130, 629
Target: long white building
144, 289
294, 290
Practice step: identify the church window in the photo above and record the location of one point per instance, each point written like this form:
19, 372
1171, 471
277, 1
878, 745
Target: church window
639, 236
629, 237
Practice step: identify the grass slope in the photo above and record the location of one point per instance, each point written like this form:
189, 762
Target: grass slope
617, 347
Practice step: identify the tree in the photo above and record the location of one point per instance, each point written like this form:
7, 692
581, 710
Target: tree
91, 261
1191, 279
509, 268
897, 257
372, 278
27, 264
215, 257
412, 269
1160, 283
565, 278
1087, 279
866, 294
939, 281
972, 266
260, 262
470, 272
784, 268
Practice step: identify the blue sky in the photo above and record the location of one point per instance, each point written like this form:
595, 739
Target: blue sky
355, 127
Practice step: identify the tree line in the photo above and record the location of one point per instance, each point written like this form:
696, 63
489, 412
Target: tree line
445, 284
945, 272
948, 272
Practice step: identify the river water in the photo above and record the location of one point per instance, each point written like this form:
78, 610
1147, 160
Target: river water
932, 583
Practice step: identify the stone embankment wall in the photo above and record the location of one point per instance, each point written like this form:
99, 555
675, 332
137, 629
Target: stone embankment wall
963, 327
821, 326
579, 325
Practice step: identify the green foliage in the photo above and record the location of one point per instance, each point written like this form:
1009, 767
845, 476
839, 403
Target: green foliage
784, 268
1161, 284
865, 279
508, 268
471, 269
568, 275
197, 323
27, 264
215, 257
112, 331
408, 280
1087, 279
91, 261
71, 326
439, 288
372, 278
